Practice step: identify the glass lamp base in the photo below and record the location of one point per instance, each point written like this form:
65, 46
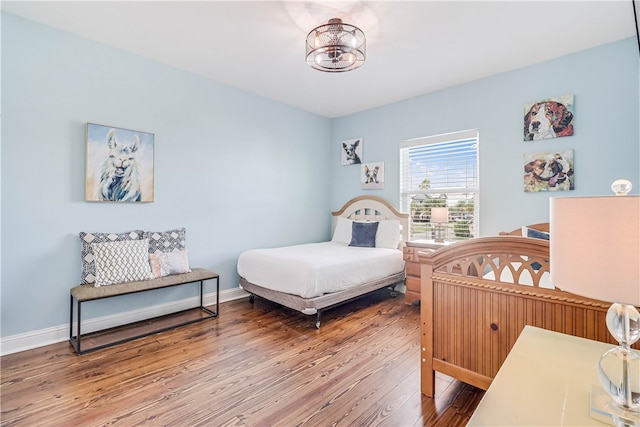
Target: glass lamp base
603, 408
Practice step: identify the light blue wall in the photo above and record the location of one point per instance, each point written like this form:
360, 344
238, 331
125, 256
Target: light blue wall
606, 142
227, 163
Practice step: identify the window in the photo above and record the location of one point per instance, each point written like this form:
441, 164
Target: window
437, 172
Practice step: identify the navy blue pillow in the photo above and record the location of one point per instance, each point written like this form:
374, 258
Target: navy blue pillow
363, 234
537, 235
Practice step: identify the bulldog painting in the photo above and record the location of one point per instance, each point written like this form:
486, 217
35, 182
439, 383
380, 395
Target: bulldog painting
549, 171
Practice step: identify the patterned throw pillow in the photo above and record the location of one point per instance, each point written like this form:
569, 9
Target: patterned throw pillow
88, 258
166, 241
119, 262
166, 263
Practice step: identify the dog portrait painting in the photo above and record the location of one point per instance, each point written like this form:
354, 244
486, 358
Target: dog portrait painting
548, 171
352, 151
119, 165
372, 176
549, 118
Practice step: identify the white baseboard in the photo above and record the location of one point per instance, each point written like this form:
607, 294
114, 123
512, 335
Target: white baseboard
56, 334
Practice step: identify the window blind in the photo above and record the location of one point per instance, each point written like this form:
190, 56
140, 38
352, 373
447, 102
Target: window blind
441, 171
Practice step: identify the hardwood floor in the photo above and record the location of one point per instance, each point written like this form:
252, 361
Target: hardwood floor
260, 365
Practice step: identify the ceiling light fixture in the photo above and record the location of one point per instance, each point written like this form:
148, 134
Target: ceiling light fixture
336, 47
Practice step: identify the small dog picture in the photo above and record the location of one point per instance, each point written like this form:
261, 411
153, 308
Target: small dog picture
352, 151
548, 118
551, 171
372, 176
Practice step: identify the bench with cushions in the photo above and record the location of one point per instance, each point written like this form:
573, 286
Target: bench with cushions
115, 264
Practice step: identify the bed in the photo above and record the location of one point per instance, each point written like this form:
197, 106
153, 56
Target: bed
477, 296
315, 277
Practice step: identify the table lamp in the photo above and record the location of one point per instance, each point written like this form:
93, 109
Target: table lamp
595, 252
439, 216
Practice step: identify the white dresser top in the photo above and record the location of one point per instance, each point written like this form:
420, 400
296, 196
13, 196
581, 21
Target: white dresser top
545, 381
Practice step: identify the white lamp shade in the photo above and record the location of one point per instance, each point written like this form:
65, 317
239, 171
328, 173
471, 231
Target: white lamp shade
595, 247
439, 215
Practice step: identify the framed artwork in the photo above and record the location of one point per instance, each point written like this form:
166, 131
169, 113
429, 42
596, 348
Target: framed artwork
119, 165
549, 171
372, 176
548, 118
351, 151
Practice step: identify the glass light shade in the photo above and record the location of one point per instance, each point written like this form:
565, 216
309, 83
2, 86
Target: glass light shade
619, 368
336, 47
621, 187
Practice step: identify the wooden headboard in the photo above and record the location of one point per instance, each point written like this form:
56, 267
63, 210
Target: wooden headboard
373, 208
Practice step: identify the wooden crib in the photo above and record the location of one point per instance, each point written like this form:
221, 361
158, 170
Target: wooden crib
477, 296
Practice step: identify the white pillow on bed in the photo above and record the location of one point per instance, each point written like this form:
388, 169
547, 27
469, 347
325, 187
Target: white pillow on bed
388, 234
342, 233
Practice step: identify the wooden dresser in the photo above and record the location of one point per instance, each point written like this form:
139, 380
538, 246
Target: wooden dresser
412, 266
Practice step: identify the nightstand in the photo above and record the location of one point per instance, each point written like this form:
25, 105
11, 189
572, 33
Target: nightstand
412, 265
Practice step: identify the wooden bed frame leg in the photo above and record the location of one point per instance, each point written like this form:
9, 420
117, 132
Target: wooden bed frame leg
251, 298
318, 320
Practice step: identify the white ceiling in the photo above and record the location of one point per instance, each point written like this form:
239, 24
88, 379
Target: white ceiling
413, 47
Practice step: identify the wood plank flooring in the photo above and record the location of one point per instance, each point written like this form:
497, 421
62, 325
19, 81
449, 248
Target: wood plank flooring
260, 365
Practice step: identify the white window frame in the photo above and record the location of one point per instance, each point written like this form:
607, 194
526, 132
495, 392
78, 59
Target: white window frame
454, 229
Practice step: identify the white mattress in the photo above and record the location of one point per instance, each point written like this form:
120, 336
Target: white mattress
313, 269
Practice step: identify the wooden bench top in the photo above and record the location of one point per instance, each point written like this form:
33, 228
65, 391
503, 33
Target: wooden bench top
89, 292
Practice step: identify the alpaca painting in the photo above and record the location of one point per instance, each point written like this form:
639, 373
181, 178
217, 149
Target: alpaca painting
119, 165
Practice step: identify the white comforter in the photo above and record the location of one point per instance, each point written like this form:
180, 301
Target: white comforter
314, 269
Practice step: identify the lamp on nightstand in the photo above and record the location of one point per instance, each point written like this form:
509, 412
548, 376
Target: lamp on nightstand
439, 216
595, 252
